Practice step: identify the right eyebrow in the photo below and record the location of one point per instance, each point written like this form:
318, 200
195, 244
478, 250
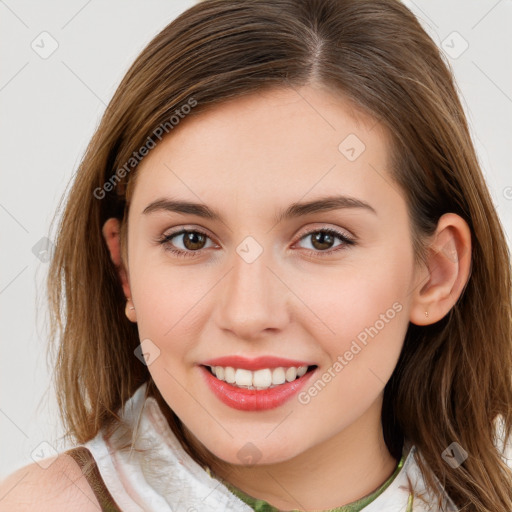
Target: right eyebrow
191, 208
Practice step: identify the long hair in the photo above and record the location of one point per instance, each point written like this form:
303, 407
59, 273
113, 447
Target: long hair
453, 378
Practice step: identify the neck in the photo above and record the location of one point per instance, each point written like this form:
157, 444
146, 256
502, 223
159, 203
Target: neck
342, 469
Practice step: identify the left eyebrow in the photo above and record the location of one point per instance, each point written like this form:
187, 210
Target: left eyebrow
324, 204
295, 210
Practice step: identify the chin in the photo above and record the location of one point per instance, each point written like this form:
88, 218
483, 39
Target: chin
251, 453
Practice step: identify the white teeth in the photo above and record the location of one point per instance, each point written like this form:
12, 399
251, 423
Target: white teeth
259, 379
262, 378
278, 376
243, 377
229, 374
291, 374
301, 370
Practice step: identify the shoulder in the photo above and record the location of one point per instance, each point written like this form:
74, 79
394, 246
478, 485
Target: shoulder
60, 487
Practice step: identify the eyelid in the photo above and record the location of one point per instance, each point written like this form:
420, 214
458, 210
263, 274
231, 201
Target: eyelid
326, 227
308, 230
180, 230
347, 239
186, 227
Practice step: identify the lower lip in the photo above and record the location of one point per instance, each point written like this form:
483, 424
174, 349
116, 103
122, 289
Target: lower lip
254, 399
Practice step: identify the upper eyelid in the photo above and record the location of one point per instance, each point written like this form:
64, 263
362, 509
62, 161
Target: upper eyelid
302, 233
182, 229
323, 227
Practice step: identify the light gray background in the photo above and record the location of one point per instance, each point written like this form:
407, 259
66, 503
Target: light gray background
51, 106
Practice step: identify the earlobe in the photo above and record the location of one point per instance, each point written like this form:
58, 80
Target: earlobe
442, 281
111, 232
129, 310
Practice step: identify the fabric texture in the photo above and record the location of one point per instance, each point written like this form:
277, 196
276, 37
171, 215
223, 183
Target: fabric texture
87, 464
356, 506
159, 476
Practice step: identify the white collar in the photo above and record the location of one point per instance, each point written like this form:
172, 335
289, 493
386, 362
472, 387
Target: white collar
162, 477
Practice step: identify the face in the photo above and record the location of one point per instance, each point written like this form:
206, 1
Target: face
264, 285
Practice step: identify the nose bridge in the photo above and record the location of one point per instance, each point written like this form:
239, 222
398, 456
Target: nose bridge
253, 298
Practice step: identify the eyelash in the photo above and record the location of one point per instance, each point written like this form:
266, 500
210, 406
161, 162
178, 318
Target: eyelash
165, 241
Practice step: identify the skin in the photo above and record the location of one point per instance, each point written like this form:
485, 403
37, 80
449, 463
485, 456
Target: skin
248, 159
60, 486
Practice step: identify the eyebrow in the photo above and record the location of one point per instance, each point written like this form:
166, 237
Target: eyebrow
295, 210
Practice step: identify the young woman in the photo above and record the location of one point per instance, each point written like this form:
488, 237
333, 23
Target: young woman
279, 280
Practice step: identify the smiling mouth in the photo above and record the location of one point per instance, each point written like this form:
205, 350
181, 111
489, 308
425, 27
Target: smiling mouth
265, 378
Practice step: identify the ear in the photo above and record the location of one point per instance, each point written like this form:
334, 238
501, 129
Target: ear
440, 284
111, 232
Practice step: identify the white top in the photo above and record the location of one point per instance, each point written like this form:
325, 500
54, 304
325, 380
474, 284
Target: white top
164, 478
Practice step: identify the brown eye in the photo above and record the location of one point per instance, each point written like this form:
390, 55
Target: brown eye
324, 239
193, 240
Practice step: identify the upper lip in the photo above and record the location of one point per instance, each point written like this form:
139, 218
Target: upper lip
256, 363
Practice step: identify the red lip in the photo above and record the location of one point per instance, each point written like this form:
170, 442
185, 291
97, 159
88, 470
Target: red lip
253, 399
255, 364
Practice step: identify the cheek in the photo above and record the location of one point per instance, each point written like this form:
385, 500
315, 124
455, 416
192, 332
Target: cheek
360, 312
364, 322
170, 303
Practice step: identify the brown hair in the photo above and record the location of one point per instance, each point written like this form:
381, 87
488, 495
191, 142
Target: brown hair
453, 378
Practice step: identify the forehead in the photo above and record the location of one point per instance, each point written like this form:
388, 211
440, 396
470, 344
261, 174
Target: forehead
277, 144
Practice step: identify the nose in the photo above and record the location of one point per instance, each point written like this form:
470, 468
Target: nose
254, 298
